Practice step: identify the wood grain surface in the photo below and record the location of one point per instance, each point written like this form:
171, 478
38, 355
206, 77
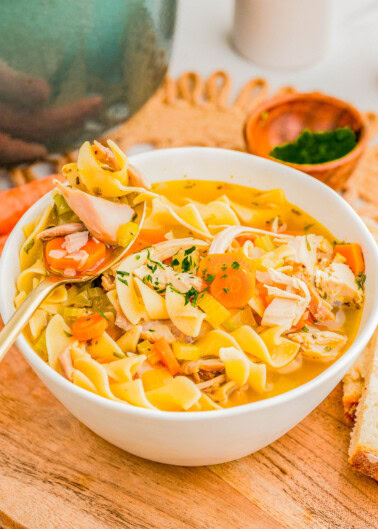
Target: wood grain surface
57, 474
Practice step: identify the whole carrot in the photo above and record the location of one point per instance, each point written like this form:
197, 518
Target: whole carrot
14, 202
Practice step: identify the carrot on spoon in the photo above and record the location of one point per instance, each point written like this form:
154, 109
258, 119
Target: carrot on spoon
89, 255
14, 202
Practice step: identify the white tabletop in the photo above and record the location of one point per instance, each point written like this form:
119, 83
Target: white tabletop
349, 71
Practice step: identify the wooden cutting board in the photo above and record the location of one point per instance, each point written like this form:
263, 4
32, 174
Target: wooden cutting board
57, 474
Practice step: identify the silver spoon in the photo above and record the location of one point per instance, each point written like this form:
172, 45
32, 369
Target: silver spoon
26, 310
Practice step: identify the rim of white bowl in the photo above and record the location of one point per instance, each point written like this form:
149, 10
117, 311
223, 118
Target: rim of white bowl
6, 310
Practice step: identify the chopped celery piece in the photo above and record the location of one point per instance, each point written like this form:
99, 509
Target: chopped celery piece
265, 243
126, 233
186, 260
186, 351
69, 217
82, 299
72, 313
95, 292
216, 313
61, 205
239, 318
144, 348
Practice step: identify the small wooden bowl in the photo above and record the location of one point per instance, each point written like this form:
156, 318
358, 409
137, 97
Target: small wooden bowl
282, 119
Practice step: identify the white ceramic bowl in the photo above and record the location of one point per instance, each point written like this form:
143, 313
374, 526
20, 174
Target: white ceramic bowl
202, 438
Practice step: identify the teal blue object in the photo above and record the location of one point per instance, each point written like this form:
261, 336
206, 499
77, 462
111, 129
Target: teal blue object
72, 69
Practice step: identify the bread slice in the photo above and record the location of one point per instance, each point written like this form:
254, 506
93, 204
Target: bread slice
354, 381
363, 449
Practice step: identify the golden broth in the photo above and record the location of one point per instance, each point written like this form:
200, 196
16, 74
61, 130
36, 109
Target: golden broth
262, 212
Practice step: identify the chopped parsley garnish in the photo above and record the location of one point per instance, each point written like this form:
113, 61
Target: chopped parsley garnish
120, 277
360, 280
147, 279
155, 262
209, 278
226, 290
324, 295
67, 334
175, 262
308, 226
296, 211
235, 265
224, 267
103, 315
137, 257
186, 264
255, 204
327, 348
189, 250
305, 329
29, 246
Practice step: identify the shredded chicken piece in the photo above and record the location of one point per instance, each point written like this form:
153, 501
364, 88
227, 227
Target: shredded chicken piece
75, 241
319, 344
108, 281
164, 275
289, 303
320, 309
101, 217
191, 367
66, 363
164, 250
337, 284
61, 231
154, 330
212, 384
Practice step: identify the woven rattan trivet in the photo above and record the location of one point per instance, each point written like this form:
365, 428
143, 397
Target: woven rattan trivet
192, 111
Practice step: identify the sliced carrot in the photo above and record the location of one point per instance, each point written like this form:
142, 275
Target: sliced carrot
89, 327
244, 238
3, 240
163, 348
233, 287
353, 255
218, 262
146, 238
96, 251
14, 202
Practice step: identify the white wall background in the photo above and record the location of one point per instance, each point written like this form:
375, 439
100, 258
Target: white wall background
350, 71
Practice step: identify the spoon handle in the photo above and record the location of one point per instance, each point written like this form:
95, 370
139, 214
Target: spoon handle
23, 314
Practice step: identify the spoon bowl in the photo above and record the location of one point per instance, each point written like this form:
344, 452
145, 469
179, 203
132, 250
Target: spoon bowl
53, 280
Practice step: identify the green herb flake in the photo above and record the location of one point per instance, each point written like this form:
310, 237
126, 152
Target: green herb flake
103, 315
308, 226
189, 250
327, 348
123, 281
235, 265
210, 278
360, 280
257, 204
224, 267
226, 290
175, 262
305, 329
69, 335
296, 211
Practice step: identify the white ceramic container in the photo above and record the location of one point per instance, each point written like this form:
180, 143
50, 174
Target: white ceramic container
205, 438
283, 34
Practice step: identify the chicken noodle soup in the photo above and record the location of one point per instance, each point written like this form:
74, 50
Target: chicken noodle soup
228, 295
